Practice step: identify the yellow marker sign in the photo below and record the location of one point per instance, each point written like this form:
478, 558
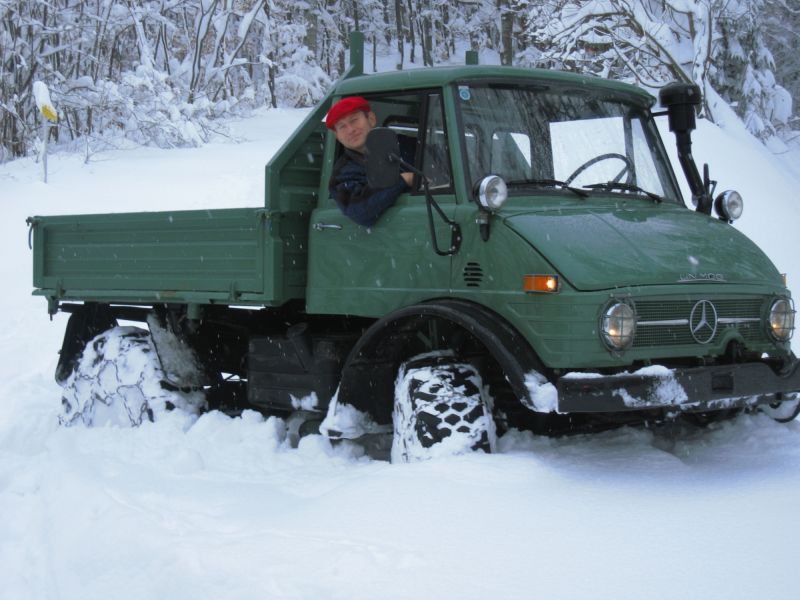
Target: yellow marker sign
49, 113
41, 95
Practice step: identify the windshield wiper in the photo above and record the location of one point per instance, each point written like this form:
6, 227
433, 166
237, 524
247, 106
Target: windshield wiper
625, 187
555, 183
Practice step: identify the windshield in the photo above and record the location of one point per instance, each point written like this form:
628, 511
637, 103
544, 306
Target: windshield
541, 137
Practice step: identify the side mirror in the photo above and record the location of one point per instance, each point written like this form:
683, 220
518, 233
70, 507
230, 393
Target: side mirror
383, 170
681, 101
383, 150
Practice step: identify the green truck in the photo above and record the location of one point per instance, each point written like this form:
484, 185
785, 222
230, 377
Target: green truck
543, 273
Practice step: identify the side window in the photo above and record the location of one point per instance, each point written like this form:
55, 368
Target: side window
435, 152
422, 144
401, 114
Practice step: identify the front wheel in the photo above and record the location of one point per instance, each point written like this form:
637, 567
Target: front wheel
119, 381
441, 408
785, 411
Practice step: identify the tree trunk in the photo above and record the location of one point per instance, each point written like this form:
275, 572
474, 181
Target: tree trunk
271, 56
202, 30
387, 29
312, 31
398, 15
427, 37
520, 10
412, 39
448, 38
506, 32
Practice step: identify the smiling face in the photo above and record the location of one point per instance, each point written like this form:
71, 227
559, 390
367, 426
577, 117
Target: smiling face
351, 130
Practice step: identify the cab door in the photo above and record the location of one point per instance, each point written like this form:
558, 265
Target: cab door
372, 271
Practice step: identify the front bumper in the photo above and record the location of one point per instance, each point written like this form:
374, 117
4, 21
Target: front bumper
685, 390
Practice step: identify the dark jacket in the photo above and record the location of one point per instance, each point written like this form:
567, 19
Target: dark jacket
349, 188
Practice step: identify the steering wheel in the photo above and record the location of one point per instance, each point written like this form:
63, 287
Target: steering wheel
628, 168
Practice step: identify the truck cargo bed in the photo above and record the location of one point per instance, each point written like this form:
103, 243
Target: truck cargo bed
241, 255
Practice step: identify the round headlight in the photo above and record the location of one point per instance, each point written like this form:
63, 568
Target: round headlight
729, 205
492, 192
781, 319
618, 326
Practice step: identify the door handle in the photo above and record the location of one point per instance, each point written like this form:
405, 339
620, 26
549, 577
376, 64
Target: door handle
323, 226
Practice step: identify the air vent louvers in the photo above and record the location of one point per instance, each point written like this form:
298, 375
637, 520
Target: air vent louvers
473, 274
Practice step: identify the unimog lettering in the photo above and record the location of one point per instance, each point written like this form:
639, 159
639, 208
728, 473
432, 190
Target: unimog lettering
689, 277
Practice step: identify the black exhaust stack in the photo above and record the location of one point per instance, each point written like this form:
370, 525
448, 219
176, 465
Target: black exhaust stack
681, 101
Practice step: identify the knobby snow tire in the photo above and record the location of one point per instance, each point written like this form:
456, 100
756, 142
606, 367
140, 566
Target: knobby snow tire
119, 381
441, 408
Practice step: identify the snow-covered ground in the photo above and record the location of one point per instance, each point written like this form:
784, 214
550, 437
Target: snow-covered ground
224, 508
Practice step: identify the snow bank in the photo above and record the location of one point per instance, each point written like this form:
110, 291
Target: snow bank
228, 509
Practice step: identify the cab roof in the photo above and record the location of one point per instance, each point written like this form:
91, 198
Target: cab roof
443, 76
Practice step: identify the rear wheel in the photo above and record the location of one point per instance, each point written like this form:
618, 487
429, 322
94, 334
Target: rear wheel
118, 380
441, 408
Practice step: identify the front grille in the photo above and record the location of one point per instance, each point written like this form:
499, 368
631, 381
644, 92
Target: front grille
666, 323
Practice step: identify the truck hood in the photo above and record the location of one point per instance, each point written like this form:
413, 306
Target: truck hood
596, 247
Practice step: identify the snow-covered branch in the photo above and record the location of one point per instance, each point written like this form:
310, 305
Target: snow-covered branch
718, 44
115, 65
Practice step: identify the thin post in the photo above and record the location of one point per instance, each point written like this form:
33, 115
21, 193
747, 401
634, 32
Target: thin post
41, 96
46, 133
356, 53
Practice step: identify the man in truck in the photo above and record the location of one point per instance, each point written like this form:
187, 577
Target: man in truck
351, 119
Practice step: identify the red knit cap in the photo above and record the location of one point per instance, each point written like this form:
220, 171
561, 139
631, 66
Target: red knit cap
344, 107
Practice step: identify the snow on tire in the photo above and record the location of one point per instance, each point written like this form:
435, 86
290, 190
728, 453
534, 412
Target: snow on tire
118, 381
785, 411
440, 409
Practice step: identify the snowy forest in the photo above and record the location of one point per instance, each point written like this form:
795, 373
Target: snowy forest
161, 72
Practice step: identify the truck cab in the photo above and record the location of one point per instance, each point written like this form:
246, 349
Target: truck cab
591, 256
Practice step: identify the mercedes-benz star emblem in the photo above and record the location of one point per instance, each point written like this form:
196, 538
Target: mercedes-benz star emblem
703, 322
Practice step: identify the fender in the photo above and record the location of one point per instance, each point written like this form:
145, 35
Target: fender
85, 322
368, 376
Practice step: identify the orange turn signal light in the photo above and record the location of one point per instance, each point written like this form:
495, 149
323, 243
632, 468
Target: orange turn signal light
543, 284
